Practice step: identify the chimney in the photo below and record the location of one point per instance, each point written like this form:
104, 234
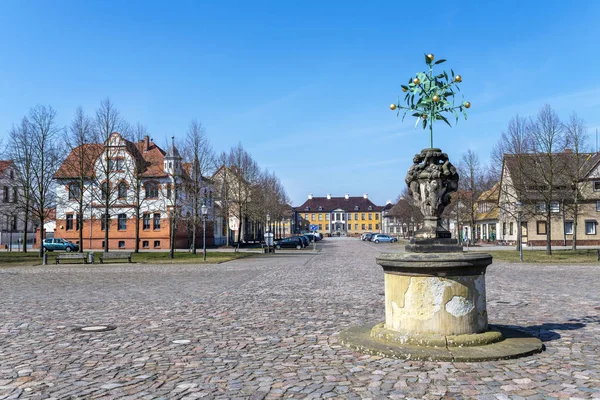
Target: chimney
310, 196
146, 143
347, 196
366, 195
328, 196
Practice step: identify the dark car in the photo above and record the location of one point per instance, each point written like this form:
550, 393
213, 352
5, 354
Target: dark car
59, 244
289, 243
367, 237
311, 237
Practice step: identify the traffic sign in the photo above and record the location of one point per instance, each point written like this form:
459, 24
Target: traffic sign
314, 228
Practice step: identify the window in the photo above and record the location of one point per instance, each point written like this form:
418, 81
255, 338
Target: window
104, 220
312, 217
151, 190
541, 227
104, 190
355, 208
122, 189
349, 227
306, 217
540, 208
121, 244
156, 221
349, 217
355, 227
598, 205
356, 216
596, 186
590, 227
554, 206
157, 244
370, 226
370, 216
370, 208
320, 217
568, 227
503, 228
115, 164
376, 217
15, 194
74, 191
320, 208
5, 199
122, 225
320, 227
363, 227
326, 227
145, 244
510, 231
14, 223
12, 174
363, 216
168, 191
376, 227
69, 222
326, 217
146, 221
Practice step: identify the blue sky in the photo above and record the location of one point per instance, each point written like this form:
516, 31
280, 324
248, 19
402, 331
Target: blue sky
305, 86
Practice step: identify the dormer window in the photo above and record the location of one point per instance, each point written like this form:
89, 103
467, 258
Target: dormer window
320, 208
355, 208
370, 208
306, 208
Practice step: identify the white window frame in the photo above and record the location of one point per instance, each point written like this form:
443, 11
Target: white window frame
568, 231
598, 205
596, 186
554, 207
540, 207
591, 224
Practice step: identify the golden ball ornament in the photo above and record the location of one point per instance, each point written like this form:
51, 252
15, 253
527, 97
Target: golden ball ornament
458, 78
436, 98
392, 107
430, 57
416, 81
467, 104
424, 116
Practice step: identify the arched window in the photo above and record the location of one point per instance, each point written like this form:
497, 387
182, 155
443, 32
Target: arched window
122, 191
151, 190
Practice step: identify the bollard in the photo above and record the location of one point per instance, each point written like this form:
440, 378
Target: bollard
91, 257
45, 259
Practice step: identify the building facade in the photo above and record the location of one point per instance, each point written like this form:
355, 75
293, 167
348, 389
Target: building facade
346, 215
141, 184
12, 215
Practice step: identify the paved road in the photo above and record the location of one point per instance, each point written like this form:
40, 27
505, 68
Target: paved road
268, 327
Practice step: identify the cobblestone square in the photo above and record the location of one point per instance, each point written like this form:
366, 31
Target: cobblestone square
268, 327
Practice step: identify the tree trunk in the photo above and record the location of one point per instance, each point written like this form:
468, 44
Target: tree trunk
136, 248
576, 213
26, 222
106, 227
80, 224
42, 237
548, 232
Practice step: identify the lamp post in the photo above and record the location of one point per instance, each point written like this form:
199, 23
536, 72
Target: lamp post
204, 210
520, 235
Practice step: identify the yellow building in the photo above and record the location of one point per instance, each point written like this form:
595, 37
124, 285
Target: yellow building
339, 215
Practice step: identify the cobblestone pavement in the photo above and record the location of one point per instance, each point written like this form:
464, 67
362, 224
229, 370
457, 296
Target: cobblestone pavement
268, 327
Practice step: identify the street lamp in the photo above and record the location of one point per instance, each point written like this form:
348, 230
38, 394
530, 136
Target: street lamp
204, 210
520, 235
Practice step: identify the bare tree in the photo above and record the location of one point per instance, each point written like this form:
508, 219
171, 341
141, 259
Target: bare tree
578, 141
471, 181
44, 159
82, 154
201, 158
21, 153
547, 134
107, 120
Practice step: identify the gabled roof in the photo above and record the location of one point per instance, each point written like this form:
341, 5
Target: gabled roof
491, 198
4, 164
351, 204
150, 162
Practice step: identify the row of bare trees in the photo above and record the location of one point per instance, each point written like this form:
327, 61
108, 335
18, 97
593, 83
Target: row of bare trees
38, 147
547, 157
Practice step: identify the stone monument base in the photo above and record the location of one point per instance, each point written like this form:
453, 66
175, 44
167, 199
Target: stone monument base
498, 343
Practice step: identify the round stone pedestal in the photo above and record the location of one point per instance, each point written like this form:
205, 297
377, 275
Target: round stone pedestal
435, 309
435, 293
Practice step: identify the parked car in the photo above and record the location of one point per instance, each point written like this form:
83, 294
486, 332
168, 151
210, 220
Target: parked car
379, 238
59, 244
318, 236
311, 237
289, 243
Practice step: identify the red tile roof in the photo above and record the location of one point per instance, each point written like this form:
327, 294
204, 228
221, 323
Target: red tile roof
4, 164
